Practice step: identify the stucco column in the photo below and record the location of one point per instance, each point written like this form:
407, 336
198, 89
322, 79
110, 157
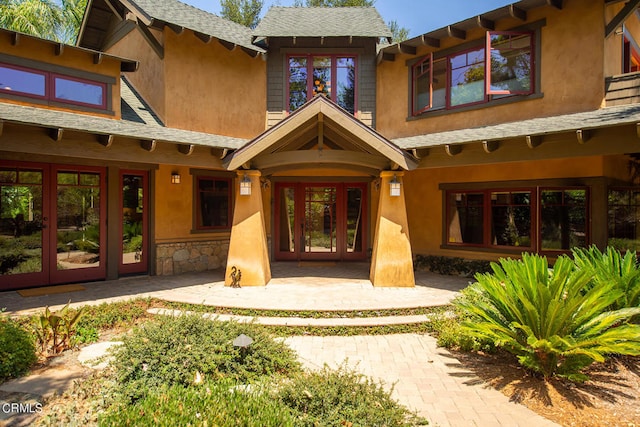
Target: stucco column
391, 262
248, 250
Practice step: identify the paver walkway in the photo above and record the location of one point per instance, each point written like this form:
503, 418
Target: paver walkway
426, 378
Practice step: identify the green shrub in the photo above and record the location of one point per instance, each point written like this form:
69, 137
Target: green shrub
552, 320
174, 350
110, 315
449, 332
17, 350
208, 404
342, 398
451, 265
612, 266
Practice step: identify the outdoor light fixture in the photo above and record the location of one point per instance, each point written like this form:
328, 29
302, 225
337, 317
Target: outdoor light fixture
394, 187
175, 178
245, 186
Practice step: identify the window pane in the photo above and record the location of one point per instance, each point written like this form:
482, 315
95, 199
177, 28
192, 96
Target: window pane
287, 220
67, 178
77, 91
466, 221
511, 219
346, 81
21, 81
563, 219
467, 77
624, 217
213, 199
322, 75
297, 83
8, 175
92, 179
511, 63
421, 86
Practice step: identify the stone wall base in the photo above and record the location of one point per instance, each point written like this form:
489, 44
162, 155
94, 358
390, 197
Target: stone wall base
188, 257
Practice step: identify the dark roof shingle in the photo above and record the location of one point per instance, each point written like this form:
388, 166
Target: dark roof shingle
322, 22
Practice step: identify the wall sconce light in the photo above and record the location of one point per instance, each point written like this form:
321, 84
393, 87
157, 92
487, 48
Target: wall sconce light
175, 178
245, 186
394, 187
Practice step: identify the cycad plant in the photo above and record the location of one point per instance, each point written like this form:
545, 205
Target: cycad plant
551, 319
611, 266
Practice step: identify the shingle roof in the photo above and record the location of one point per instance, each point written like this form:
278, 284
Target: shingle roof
322, 22
99, 125
604, 117
184, 15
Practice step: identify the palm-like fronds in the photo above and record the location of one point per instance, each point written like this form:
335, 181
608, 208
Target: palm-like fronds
551, 319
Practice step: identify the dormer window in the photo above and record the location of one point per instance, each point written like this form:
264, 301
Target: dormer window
333, 76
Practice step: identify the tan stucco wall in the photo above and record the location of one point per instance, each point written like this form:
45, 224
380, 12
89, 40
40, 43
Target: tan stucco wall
76, 59
211, 89
424, 198
572, 76
149, 79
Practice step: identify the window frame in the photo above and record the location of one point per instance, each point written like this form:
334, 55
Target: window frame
13, 92
198, 226
334, 76
535, 209
54, 97
489, 95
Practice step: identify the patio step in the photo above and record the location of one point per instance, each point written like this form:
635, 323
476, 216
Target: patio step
305, 321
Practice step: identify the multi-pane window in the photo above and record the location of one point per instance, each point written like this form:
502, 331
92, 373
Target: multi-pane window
333, 76
461, 78
45, 85
213, 205
511, 219
624, 218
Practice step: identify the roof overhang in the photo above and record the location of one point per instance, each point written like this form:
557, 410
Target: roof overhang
320, 134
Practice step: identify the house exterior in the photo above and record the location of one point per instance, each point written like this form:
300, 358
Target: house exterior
169, 140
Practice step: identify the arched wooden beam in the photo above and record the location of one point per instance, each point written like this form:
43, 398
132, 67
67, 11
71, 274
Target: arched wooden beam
517, 13
178, 29
583, 135
456, 32
105, 140
148, 145
533, 140
59, 49
56, 134
485, 23
220, 153
429, 41
419, 153
490, 146
186, 149
205, 38
453, 149
97, 58
227, 45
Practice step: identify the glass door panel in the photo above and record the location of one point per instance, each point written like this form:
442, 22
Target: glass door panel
21, 227
320, 221
134, 223
78, 220
354, 201
287, 225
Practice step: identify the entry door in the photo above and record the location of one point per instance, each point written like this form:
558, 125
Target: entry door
324, 221
52, 227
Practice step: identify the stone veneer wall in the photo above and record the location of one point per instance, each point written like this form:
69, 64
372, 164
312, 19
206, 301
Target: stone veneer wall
185, 257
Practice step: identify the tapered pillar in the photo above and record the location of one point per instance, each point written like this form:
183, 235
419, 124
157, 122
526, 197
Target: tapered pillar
248, 252
392, 262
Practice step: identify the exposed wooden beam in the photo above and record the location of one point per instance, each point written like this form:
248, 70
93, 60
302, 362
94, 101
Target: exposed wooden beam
555, 3
617, 20
114, 10
485, 23
419, 153
456, 32
178, 29
320, 131
105, 140
533, 140
429, 41
227, 45
490, 146
453, 149
220, 153
638, 130
186, 149
15, 39
517, 13
386, 56
583, 135
59, 49
153, 42
206, 38
406, 49
97, 58
148, 144
252, 53
1, 126
56, 134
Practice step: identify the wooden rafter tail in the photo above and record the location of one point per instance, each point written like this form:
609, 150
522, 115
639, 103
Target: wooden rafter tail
490, 146
453, 149
533, 141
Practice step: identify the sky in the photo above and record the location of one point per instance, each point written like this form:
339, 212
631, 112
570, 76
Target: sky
418, 16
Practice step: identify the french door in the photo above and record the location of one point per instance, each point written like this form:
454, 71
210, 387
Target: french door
320, 221
52, 224
134, 222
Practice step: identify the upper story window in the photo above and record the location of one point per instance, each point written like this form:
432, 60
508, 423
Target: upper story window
51, 86
504, 66
331, 75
